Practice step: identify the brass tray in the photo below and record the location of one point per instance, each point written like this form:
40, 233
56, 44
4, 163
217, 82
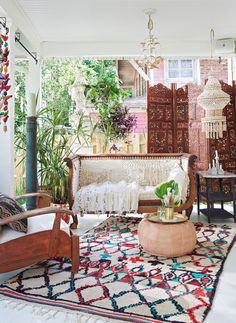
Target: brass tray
178, 218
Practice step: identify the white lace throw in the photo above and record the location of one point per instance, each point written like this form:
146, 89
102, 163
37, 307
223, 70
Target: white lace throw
107, 197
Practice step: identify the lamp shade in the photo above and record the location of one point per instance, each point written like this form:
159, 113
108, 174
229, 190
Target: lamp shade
213, 100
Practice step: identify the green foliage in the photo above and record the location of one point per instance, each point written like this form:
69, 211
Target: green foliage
57, 76
20, 190
20, 105
53, 147
56, 139
168, 192
103, 85
106, 95
54, 144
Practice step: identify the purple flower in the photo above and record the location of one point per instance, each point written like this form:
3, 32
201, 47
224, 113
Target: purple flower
119, 120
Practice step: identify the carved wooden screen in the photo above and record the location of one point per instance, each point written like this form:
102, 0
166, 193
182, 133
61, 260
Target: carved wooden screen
167, 111
181, 119
160, 119
226, 146
174, 125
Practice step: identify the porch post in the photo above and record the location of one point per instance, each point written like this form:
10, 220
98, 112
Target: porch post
7, 138
32, 90
31, 160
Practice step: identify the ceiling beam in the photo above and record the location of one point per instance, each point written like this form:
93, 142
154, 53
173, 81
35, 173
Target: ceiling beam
121, 49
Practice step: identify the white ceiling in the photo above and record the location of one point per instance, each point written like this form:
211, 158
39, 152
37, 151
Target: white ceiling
116, 27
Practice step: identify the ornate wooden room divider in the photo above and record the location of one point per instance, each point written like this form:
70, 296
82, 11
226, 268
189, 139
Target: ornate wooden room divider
174, 124
167, 111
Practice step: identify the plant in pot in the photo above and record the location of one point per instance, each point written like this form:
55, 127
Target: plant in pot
115, 121
168, 193
55, 143
52, 149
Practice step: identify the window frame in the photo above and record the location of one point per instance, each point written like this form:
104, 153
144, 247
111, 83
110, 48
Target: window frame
180, 79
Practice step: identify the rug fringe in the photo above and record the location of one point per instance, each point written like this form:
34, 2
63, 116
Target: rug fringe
50, 314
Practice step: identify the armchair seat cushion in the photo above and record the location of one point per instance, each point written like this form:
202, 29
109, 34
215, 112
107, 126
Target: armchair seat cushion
35, 224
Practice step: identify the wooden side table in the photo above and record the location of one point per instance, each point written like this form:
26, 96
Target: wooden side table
220, 196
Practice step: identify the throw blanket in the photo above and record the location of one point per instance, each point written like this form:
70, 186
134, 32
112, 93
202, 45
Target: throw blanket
107, 197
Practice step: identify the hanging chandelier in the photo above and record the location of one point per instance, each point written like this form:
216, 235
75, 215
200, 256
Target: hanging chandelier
150, 58
213, 100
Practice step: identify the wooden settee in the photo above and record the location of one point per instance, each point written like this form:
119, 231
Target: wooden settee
147, 169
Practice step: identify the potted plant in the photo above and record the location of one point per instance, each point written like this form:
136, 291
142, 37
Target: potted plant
55, 143
168, 193
103, 91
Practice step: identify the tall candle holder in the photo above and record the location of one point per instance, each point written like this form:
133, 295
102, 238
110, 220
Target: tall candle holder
216, 168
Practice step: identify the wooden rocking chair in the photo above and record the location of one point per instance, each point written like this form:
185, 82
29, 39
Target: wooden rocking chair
31, 248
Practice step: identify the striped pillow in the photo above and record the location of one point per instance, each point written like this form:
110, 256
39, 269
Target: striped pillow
9, 207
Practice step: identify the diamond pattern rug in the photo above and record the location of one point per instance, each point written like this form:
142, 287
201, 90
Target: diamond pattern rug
118, 280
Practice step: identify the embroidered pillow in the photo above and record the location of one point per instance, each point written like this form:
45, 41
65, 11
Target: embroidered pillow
9, 207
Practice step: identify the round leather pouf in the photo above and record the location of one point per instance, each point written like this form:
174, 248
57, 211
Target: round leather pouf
167, 240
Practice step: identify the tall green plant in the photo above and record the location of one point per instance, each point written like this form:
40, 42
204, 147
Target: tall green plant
54, 144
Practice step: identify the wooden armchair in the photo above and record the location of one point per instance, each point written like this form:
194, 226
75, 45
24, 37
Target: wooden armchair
38, 246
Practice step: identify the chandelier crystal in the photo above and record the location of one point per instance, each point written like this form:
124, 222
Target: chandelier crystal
149, 46
213, 100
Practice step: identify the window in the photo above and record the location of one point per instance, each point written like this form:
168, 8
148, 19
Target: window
180, 69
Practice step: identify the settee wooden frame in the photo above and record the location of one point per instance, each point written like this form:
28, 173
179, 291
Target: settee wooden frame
145, 206
39, 246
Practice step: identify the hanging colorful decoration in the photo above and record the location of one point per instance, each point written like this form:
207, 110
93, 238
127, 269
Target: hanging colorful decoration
4, 79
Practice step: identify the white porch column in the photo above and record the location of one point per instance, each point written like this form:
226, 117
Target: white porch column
7, 138
33, 81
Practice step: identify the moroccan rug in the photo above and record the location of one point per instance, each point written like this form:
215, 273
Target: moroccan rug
117, 280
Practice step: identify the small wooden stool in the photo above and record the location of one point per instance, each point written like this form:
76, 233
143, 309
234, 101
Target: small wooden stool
167, 239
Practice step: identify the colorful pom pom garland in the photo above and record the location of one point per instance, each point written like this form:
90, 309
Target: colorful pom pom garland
4, 79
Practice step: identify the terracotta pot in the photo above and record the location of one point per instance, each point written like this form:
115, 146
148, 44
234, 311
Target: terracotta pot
45, 201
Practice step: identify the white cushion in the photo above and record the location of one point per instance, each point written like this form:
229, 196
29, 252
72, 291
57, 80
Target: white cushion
177, 174
181, 177
144, 171
147, 193
35, 224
